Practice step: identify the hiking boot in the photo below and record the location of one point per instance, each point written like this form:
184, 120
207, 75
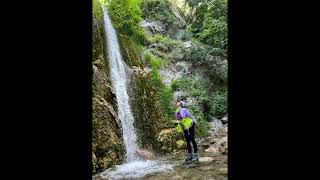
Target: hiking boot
188, 158
195, 157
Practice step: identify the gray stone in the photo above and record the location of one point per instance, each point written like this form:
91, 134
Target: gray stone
179, 95
152, 27
145, 154
183, 67
187, 45
167, 76
216, 124
224, 120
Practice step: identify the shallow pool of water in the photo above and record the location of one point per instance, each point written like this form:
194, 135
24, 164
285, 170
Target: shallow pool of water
170, 167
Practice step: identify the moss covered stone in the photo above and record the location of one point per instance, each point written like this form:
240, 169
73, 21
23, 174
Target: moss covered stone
129, 50
146, 110
170, 140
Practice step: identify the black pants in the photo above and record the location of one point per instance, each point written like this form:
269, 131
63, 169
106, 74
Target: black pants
189, 135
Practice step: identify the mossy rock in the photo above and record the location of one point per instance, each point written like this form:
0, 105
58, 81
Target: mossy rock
171, 141
145, 103
130, 52
107, 135
181, 144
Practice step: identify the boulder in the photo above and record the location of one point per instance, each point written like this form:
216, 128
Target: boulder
152, 27
145, 154
170, 140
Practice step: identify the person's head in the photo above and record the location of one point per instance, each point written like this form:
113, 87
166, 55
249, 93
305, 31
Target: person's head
179, 103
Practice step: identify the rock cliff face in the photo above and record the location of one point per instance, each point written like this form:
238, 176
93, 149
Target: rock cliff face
107, 143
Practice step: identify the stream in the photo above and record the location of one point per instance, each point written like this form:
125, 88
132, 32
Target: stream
170, 167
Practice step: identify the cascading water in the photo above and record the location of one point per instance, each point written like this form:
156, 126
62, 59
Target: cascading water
134, 168
119, 81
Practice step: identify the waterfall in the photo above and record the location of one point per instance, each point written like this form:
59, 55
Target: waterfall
119, 80
135, 167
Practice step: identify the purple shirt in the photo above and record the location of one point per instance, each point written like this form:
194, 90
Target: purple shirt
185, 113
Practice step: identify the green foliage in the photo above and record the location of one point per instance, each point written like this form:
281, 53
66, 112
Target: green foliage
146, 110
97, 9
165, 40
218, 103
166, 93
208, 20
214, 32
193, 85
159, 10
201, 54
155, 62
126, 15
131, 51
203, 126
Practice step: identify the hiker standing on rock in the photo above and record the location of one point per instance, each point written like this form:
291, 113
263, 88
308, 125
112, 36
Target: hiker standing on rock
187, 124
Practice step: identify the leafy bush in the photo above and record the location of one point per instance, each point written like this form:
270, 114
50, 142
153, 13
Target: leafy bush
166, 93
214, 32
192, 85
126, 15
208, 21
203, 126
155, 62
218, 103
165, 40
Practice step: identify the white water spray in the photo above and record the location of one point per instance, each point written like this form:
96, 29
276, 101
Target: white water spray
119, 81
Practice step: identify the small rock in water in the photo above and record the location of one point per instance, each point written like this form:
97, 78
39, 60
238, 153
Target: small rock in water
146, 154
